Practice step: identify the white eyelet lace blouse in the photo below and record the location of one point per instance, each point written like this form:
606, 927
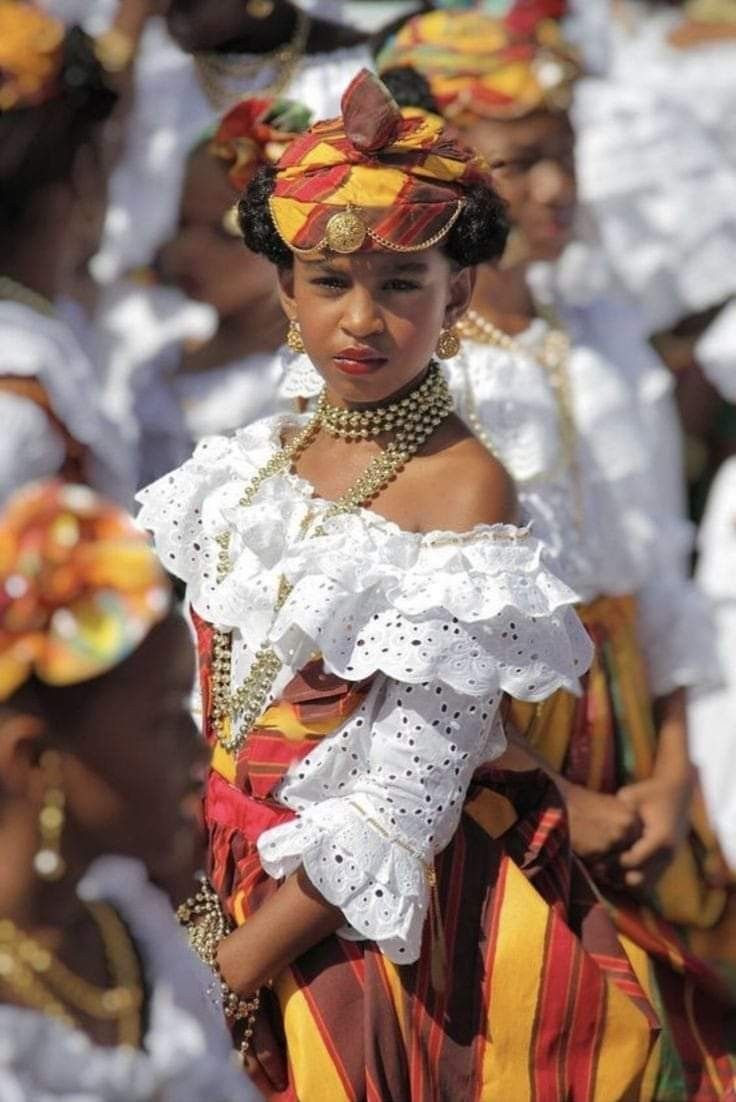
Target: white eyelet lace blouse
444, 623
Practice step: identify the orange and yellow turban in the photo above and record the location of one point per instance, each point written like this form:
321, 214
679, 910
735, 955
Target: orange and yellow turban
80, 587
31, 54
479, 67
255, 132
378, 177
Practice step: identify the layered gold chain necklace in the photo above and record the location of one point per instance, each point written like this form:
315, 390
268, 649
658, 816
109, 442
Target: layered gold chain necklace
41, 981
411, 421
553, 356
226, 78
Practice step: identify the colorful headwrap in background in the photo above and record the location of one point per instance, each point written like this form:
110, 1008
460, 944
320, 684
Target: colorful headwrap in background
255, 132
479, 67
80, 587
31, 55
378, 177
521, 16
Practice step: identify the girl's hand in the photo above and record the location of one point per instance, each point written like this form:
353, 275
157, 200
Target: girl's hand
265, 1062
600, 825
662, 804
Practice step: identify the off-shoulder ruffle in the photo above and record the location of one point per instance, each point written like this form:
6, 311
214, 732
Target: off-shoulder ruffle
479, 611
378, 884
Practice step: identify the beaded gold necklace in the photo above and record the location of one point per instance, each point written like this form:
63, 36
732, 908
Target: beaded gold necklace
40, 980
223, 76
411, 420
554, 357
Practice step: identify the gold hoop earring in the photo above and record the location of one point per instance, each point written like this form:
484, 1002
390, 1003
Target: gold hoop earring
48, 862
294, 337
260, 9
448, 344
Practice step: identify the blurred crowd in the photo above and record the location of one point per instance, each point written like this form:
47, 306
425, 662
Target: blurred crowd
134, 323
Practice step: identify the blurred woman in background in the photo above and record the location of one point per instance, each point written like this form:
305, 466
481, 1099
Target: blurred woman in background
232, 378
54, 101
99, 995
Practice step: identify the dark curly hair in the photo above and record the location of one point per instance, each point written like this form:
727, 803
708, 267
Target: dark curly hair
38, 144
410, 88
477, 237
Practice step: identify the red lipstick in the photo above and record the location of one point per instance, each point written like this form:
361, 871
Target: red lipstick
359, 360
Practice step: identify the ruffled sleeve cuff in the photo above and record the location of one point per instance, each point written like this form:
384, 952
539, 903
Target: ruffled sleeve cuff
377, 881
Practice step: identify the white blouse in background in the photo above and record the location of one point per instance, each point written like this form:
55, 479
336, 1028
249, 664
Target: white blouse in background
610, 522
656, 161
444, 623
187, 1054
33, 346
169, 116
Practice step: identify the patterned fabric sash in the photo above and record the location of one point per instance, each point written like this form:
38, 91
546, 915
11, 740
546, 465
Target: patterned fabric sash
682, 940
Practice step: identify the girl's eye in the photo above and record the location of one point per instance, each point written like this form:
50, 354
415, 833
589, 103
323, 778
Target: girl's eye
333, 283
401, 285
521, 164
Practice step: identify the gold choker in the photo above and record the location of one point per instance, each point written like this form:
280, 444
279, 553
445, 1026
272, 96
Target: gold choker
414, 416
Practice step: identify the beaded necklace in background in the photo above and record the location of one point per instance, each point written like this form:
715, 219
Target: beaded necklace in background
214, 70
41, 981
411, 420
554, 357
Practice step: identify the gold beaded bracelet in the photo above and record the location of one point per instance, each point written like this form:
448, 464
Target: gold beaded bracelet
207, 925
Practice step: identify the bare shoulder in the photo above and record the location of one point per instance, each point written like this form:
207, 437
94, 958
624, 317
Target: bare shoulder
459, 484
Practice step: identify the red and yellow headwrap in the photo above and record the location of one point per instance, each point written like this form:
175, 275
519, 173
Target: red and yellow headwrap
80, 586
31, 49
378, 177
479, 67
256, 132
521, 16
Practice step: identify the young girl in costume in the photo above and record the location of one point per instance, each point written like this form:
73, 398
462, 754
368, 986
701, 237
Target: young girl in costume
549, 391
364, 598
100, 997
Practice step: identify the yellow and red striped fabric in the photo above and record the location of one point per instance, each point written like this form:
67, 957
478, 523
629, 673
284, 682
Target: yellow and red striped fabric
539, 1003
682, 940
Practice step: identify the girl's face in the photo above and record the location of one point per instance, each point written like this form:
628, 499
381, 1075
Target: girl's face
129, 757
206, 261
370, 321
533, 165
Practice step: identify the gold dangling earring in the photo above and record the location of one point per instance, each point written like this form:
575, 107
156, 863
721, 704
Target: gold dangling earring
448, 344
48, 862
260, 9
294, 337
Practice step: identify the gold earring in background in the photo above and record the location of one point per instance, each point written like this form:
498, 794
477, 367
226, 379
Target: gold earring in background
260, 9
294, 337
48, 862
517, 250
448, 344
231, 221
